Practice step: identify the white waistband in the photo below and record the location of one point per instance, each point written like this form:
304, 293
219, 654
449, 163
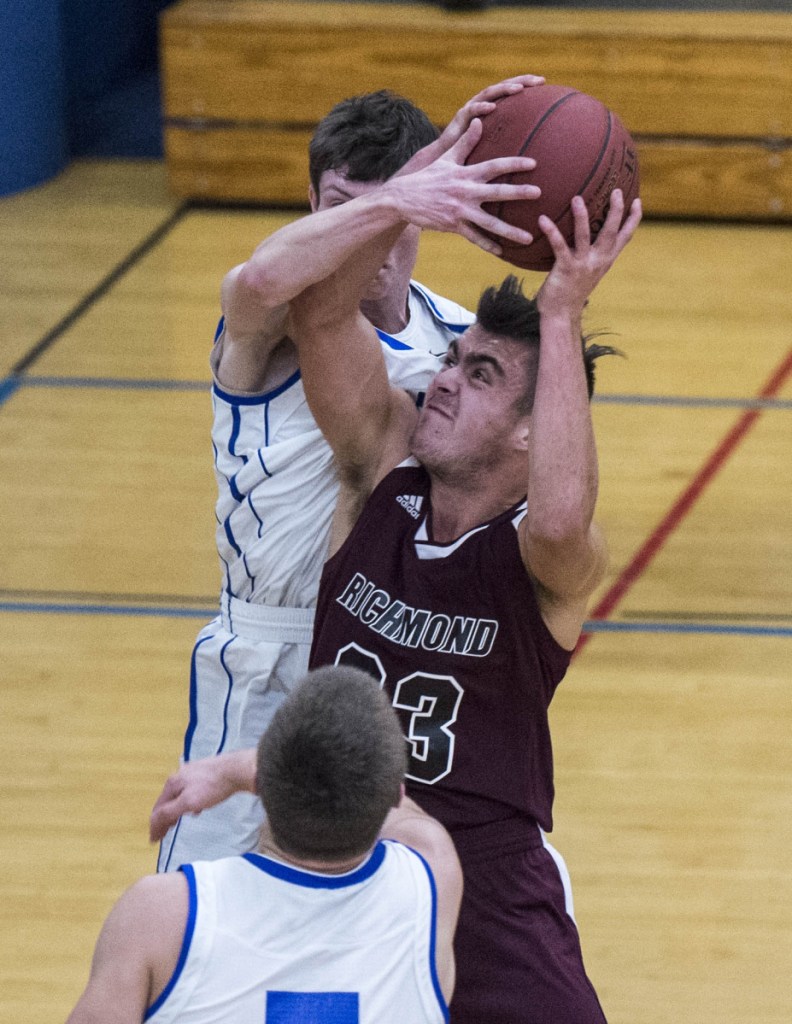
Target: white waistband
268, 623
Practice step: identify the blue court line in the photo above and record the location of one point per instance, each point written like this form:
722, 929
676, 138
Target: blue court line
12, 383
8, 386
161, 611
592, 626
117, 383
611, 626
696, 402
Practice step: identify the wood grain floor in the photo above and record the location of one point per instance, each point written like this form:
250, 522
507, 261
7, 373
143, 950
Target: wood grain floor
672, 729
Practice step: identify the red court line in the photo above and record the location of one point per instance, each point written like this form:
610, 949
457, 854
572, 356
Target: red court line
685, 501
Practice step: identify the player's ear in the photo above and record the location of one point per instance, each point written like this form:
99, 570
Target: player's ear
522, 434
313, 198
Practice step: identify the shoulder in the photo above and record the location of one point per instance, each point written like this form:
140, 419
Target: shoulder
155, 906
425, 845
241, 371
137, 950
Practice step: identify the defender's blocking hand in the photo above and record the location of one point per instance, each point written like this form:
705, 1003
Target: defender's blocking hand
448, 195
480, 105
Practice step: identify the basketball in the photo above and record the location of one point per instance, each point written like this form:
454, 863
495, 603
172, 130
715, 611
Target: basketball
580, 148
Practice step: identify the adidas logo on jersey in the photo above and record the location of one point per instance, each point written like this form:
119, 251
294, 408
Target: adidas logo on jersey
411, 503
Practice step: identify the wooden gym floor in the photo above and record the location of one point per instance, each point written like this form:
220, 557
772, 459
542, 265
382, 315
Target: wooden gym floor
672, 728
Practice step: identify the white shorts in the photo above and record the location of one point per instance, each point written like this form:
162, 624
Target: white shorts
237, 682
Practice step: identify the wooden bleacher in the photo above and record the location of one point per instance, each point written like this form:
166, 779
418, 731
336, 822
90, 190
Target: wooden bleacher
707, 96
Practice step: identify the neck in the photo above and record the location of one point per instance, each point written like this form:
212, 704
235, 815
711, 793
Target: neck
389, 314
458, 507
269, 848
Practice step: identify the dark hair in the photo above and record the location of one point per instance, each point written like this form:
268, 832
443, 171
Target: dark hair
370, 136
330, 765
507, 312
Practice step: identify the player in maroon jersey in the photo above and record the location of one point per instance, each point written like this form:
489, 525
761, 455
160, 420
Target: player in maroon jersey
464, 553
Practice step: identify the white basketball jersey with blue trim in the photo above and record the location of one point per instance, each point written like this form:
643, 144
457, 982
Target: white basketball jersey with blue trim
267, 943
276, 483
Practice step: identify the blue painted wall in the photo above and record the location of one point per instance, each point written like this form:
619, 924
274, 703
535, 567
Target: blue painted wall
77, 78
110, 66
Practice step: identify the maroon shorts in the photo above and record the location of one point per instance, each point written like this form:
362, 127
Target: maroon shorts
518, 958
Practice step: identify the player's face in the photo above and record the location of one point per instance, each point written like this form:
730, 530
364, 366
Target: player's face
394, 276
471, 417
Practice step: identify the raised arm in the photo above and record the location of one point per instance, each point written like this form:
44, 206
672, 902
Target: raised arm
561, 546
412, 826
366, 423
255, 294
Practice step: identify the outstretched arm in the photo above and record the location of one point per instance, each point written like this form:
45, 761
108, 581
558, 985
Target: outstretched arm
199, 785
561, 546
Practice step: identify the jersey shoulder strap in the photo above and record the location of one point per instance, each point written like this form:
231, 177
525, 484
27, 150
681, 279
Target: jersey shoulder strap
453, 316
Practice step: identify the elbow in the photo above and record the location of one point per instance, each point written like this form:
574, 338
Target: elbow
560, 527
262, 283
556, 538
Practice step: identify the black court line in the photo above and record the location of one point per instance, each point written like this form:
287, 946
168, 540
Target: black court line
15, 376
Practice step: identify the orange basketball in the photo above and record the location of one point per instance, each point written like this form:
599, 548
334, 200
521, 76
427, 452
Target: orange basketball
580, 148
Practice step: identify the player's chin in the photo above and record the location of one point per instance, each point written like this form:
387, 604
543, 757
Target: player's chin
379, 287
426, 444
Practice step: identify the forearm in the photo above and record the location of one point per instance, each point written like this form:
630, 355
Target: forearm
200, 784
239, 769
563, 473
316, 246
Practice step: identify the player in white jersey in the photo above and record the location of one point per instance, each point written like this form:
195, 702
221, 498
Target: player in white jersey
276, 481
326, 921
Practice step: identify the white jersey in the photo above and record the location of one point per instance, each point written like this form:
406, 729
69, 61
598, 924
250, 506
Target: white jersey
277, 488
268, 943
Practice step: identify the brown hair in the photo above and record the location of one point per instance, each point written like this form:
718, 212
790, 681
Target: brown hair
506, 312
330, 765
370, 137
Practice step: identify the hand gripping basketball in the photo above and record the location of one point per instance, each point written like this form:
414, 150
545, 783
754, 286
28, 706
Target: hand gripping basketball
578, 269
581, 148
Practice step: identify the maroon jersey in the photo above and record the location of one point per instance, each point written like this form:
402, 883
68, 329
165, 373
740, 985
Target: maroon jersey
454, 633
